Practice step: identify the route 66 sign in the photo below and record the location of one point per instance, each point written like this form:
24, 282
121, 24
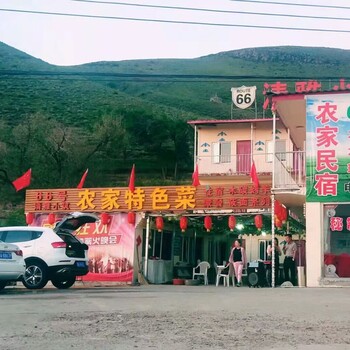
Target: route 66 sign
244, 96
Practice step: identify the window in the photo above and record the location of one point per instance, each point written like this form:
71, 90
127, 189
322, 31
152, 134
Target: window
280, 150
221, 152
21, 236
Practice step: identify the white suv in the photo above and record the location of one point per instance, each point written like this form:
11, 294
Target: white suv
51, 254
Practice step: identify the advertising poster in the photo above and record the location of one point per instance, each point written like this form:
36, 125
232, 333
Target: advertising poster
328, 148
111, 247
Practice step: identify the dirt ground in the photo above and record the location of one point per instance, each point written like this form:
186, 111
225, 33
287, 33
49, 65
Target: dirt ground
175, 317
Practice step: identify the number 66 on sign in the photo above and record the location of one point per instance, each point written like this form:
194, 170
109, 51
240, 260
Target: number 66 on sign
244, 96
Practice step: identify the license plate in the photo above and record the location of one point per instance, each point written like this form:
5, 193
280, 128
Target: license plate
5, 255
81, 264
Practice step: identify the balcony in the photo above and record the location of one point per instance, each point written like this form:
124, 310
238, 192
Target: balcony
289, 167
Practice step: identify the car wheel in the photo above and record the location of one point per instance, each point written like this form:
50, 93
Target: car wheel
2, 284
36, 275
63, 283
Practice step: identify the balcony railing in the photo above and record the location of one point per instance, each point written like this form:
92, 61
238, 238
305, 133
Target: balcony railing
289, 167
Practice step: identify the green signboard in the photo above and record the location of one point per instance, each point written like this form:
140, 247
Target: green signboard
328, 148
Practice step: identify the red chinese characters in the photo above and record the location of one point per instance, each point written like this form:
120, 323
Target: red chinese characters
326, 184
242, 196
326, 136
303, 86
327, 113
326, 157
308, 86
276, 88
336, 223
48, 201
342, 85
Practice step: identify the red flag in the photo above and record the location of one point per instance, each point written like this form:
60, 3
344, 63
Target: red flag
81, 183
266, 103
195, 177
254, 176
23, 181
132, 179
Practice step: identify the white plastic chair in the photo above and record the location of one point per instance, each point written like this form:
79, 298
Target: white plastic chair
202, 269
219, 274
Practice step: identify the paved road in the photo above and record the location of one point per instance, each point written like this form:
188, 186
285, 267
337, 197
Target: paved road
175, 317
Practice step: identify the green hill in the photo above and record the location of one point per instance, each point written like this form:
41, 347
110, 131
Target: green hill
109, 115
80, 94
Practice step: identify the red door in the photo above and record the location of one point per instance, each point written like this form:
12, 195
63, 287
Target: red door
244, 150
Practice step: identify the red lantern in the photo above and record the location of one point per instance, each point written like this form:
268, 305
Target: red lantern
278, 222
29, 218
51, 218
258, 222
232, 222
131, 218
183, 223
278, 209
284, 215
208, 223
159, 223
104, 218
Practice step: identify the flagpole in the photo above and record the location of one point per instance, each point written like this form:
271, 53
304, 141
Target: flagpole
251, 143
146, 249
195, 146
273, 200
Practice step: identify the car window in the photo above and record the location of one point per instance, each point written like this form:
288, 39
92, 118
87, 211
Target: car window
20, 236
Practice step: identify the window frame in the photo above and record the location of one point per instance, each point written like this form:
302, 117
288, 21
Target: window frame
283, 151
217, 152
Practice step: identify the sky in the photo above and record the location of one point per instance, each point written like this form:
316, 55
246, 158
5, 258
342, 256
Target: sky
64, 40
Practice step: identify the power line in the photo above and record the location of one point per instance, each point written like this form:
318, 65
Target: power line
295, 4
212, 10
177, 22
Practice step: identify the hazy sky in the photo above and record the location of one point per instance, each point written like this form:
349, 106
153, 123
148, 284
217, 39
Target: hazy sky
71, 40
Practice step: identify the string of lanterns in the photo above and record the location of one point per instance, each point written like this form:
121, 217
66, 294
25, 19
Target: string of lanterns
280, 218
51, 218
183, 223
131, 218
29, 218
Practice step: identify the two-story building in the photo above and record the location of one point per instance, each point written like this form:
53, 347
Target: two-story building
303, 152
225, 151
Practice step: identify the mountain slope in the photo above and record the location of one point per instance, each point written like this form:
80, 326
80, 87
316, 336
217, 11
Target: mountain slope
79, 94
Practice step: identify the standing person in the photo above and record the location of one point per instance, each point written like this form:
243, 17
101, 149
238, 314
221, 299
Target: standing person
238, 260
289, 250
278, 253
